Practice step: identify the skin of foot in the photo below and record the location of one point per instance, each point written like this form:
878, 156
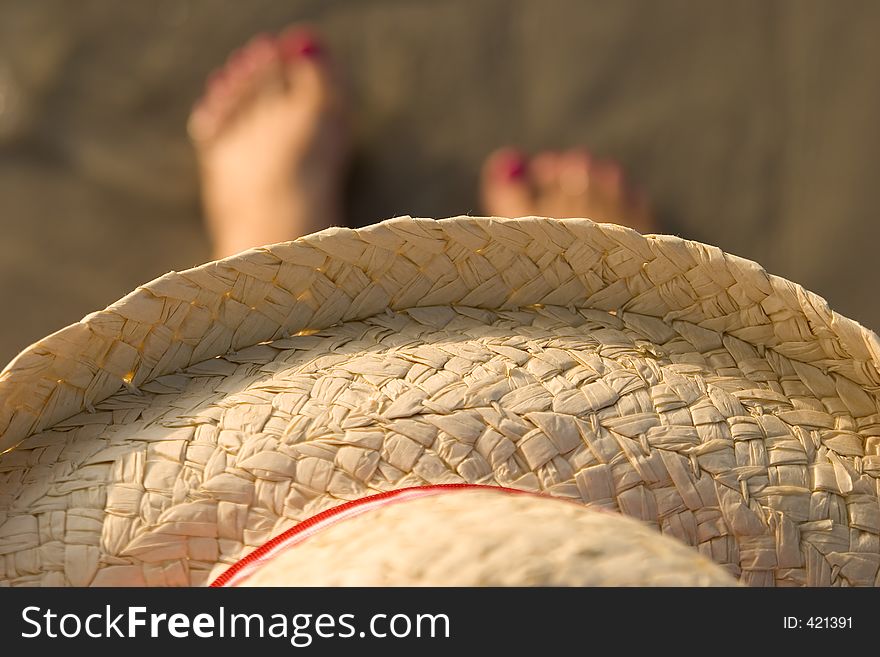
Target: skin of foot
272, 142
562, 184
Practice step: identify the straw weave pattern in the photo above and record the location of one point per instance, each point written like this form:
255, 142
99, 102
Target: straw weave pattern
662, 378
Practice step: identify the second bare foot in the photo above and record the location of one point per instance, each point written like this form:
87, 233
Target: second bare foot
562, 184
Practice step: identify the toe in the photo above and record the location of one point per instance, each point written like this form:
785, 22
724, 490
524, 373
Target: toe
309, 70
640, 212
505, 186
609, 181
574, 172
546, 171
208, 112
257, 55
300, 41
608, 193
228, 88
574, 175
615, 200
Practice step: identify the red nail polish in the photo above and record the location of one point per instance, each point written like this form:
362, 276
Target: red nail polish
511, 165
309, 47
299, 44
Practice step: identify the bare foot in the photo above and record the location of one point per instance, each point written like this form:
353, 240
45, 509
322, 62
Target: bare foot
271, 139
562, 184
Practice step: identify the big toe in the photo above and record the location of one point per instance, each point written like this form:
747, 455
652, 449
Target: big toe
310, 73
505, 186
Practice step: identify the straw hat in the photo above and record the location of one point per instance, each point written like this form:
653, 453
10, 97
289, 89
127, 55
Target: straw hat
159, 440
463, 535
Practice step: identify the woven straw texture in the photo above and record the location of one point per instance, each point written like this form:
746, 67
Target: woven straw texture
659, 377
485, 538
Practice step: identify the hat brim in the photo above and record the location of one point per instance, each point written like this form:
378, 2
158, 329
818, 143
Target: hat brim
340, 274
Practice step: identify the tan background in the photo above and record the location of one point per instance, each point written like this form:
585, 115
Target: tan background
753, 125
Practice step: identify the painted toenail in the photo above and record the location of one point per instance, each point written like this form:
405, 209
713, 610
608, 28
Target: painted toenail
309, 47
299, 44
510, 165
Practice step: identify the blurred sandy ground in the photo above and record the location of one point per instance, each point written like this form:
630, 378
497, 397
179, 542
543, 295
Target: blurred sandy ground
752, 124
